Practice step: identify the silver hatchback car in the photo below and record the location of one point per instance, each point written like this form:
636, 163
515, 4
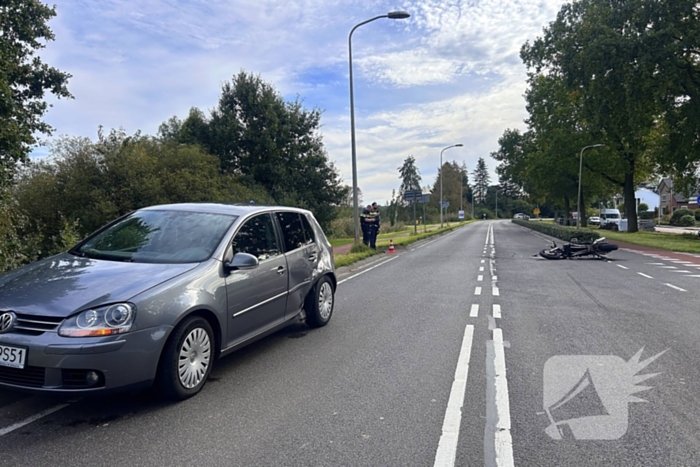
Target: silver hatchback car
159, 294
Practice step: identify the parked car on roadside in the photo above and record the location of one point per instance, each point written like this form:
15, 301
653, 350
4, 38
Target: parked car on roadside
521, 216
159, 295
594, 220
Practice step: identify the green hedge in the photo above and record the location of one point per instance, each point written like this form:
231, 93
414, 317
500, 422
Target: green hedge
559, 231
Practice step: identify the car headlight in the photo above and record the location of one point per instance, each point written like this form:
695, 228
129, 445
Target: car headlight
100, 321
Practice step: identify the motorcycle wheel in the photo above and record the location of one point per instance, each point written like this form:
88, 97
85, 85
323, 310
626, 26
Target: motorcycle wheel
551, 254
607, 247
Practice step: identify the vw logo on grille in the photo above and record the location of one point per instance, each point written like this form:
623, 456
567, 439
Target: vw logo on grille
7, 320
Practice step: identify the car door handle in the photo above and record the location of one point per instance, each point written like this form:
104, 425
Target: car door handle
312, 257
280, 270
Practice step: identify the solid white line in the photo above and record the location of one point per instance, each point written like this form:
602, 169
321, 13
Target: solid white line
496, 311
367, 270
31, 419
446, 454
674, 287
479, 278
503, 439
481, 268
474, 312
680, 261
644, 275
496, 292
477, 291
621, 266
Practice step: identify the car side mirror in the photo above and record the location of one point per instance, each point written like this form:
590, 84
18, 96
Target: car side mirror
241, 261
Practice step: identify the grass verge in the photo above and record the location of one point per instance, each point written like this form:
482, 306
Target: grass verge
360, 252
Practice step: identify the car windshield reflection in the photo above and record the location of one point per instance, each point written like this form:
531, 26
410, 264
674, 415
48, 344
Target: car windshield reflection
159, 237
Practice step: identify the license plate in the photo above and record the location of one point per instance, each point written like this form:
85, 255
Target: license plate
14, 357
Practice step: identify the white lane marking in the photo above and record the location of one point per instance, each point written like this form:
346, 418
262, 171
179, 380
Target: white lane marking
668, 267
477, 291
680, 261
674, 287
33, 418
693, 275
481, 268
446, 454
496, 311
367, 270
474, 312
483, 261
644, 275
683, 271
479, 278
503, 442
621, 266
496, 292
656, 264
494, 278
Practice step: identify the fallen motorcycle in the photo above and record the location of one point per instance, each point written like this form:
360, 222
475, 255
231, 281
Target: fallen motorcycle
576, 249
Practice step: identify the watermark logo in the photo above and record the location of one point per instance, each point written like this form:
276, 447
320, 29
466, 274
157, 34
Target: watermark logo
587, 396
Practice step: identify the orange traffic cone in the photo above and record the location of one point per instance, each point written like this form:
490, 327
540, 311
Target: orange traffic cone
391, 246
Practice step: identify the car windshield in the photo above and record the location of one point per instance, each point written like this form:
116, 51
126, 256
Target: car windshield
159, 237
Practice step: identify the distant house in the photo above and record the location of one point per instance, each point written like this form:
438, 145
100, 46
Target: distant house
642, 195
671, 201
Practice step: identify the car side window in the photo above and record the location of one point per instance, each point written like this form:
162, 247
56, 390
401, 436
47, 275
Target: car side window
292, 230
257, 237
309, 234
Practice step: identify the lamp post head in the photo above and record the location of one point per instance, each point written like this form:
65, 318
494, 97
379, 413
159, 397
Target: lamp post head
459, 145
398, 15
598, 145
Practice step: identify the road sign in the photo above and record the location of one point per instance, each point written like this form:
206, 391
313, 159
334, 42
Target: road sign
536, 211
445, 204
698, 200
412, 195
461, 214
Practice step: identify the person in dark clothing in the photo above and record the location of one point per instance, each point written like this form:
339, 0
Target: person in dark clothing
375, 225
366, 219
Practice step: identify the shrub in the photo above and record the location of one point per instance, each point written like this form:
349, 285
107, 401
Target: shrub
697, 214
678, 214
359, 248
342, 227
643, 207
687, 221
563, 233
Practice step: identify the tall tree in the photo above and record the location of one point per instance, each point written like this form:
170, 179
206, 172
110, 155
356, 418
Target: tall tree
24, 79
603, 52
409, 175
481, 181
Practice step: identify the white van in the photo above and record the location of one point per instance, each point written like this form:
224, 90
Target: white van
610, 219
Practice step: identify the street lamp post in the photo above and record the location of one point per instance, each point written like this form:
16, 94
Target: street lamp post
458, 145
355, 203
580, 170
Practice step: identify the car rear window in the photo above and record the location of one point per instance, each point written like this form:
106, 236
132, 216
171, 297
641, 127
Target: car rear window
292, 230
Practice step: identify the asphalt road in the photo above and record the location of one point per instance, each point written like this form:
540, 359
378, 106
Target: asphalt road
467, 349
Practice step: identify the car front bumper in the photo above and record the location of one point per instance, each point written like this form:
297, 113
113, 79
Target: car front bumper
57, 364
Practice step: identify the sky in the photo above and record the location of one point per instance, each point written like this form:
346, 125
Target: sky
451, 73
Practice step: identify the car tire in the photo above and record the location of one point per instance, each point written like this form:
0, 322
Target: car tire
319, 303
187, 359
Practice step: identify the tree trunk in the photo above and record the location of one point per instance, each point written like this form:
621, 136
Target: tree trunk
630, 201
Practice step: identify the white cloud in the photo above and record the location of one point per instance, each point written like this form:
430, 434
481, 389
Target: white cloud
451, 73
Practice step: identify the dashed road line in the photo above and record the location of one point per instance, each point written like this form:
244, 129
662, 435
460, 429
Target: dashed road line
674, 287
474, 312
479, 278
621, 266
644, 275
496, 311
446, 454
477, 291
496, 292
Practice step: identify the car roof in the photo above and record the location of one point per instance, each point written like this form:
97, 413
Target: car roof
222, 208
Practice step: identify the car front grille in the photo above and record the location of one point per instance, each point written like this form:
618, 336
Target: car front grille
34, 325
30, 376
